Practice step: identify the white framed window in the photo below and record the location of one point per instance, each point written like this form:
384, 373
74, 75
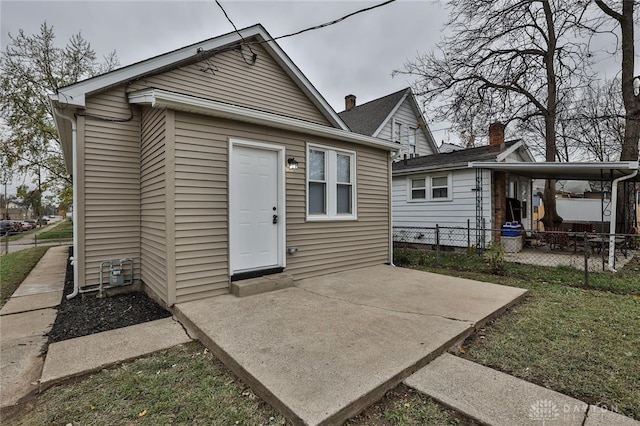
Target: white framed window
440, 187
418, 188
331, 183
429, 188
397, 131
413, 149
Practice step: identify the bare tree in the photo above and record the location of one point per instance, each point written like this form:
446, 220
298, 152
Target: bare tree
630, 94
32, 67
594, 122
512, 61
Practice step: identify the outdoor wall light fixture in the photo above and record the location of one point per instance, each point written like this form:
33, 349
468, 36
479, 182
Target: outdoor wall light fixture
293, 164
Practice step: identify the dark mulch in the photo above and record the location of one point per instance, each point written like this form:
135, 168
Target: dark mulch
86, 314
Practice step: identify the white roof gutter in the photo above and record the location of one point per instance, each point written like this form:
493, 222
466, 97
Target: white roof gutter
158, 98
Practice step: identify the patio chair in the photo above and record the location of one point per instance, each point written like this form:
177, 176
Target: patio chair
556, 236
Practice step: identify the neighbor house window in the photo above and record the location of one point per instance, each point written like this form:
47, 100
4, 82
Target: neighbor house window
440, 187
429, 188
418, 189
397, 131
330, 183
412, 141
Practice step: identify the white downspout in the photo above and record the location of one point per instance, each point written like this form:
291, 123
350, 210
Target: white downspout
392, 156
612, 221
74, 173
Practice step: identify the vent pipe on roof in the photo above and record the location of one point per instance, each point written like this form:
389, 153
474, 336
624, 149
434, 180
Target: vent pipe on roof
349, 102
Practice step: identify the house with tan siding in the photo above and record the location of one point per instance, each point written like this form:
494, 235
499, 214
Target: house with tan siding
216, 162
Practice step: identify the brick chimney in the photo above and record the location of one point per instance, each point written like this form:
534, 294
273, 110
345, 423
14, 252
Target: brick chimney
496, 134
349, 102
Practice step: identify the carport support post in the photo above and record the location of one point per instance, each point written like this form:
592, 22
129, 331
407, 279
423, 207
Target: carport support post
586, 260
437, 244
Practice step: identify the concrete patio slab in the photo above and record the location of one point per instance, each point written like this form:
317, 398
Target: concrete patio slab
323, 351
492, 397
83, 355
34, 302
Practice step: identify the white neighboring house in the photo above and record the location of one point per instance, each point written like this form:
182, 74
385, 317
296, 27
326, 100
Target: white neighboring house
396, 118
441, 189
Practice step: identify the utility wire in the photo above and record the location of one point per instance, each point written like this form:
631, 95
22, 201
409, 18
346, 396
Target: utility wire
253, 54
335, 21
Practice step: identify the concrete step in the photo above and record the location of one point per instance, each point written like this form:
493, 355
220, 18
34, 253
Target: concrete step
262, 284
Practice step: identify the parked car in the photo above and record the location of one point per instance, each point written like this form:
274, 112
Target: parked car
5, 227
28, 225
11, 227
43, 221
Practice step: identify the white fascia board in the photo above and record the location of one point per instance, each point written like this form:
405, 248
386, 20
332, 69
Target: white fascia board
427, 169
574, 170
513, 148
75, 93
294, 72
425, 129
164, 99
389, 116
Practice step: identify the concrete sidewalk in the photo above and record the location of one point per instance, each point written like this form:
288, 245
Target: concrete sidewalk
25, 320
494, 398
28, 316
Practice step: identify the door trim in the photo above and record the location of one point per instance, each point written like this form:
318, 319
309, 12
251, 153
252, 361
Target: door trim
281, 201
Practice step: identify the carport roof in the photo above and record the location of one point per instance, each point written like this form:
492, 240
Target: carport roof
575, 171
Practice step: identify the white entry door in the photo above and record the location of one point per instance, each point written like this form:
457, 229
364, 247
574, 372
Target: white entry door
254, 214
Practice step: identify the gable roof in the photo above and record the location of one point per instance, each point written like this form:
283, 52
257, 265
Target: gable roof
371, 117
75, 94
456, 159
366, 118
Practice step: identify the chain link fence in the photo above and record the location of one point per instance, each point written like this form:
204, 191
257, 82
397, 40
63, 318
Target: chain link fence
585, 251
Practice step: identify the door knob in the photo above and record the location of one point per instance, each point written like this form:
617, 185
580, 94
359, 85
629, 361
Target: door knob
275, 219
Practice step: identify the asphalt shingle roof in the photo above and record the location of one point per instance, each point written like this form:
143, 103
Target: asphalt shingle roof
454, 158
366, 118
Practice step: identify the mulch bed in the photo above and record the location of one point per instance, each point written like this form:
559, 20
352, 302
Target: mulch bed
86, 314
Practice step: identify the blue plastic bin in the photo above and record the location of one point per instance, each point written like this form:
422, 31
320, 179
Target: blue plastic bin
511, 229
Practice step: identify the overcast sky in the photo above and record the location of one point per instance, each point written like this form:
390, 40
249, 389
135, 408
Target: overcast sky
355, 56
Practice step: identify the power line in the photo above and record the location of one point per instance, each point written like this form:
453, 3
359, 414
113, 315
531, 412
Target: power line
335, 21
253, 54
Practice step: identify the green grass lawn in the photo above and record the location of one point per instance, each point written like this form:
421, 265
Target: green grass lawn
14, 267
577, 340
63, 230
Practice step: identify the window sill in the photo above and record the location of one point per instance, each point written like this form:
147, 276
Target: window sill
331, 218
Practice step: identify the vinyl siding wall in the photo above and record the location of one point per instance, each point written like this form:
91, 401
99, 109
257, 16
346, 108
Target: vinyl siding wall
202, 239
153, 191
263, 86
409, 118
453, 213
110, 193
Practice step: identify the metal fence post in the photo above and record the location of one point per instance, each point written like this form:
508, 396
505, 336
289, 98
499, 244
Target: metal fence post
468, 233
35, 240
586, 260
437, 244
